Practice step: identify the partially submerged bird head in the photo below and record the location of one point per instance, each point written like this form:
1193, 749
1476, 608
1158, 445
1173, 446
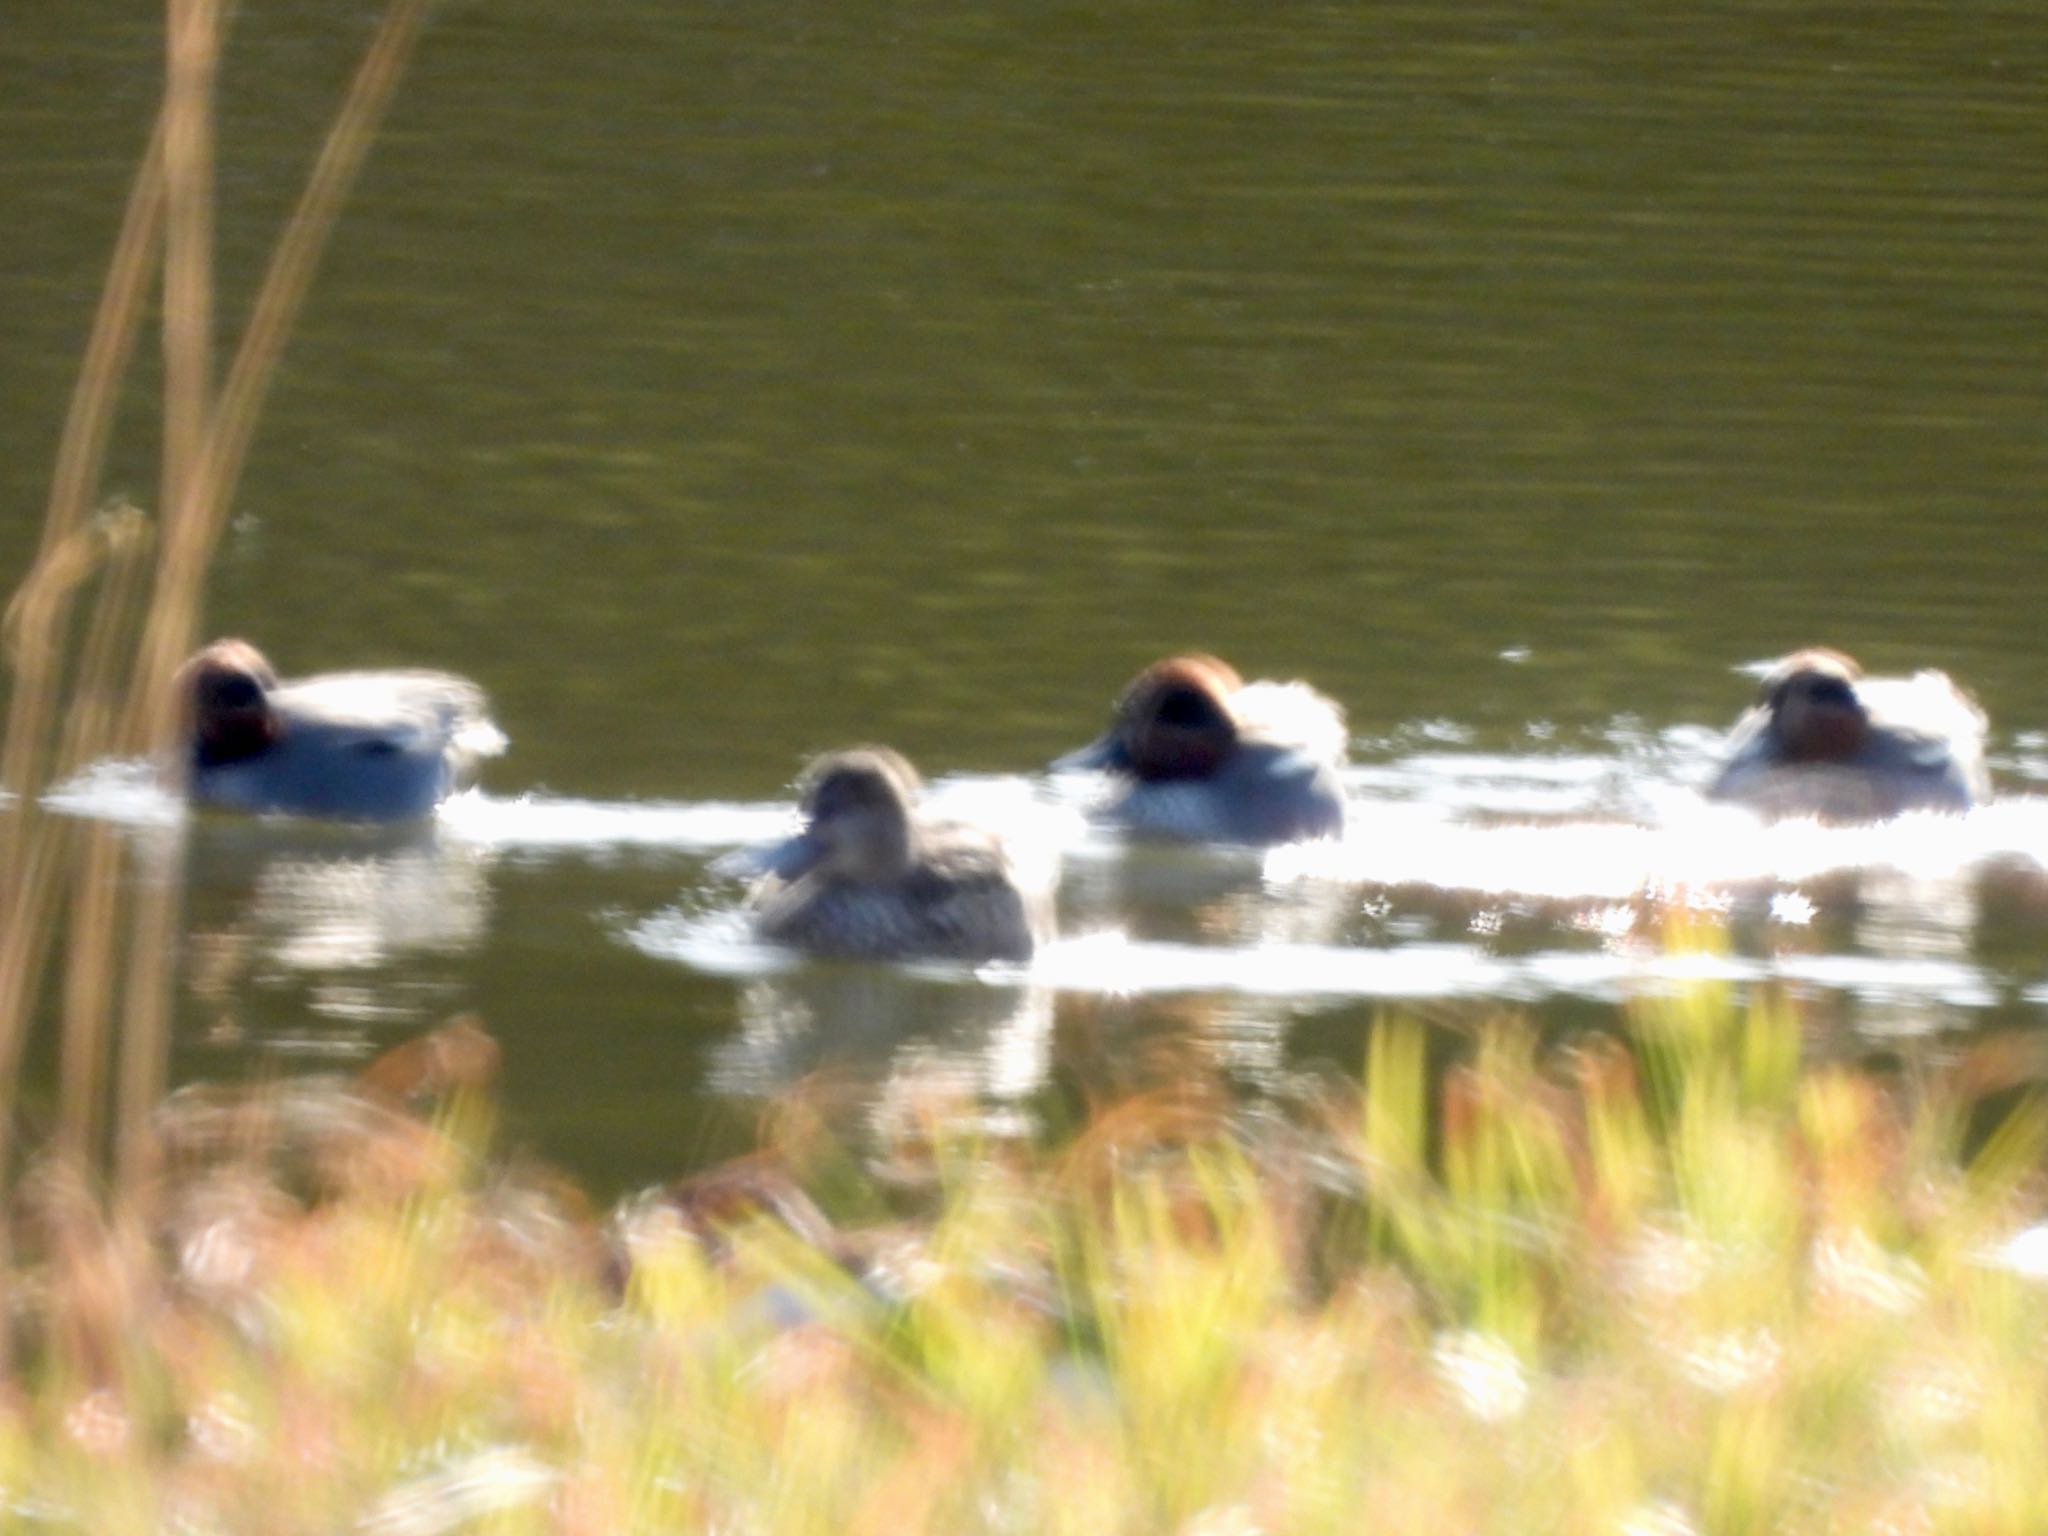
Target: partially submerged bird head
225, 689
1175, 720
1816, 713
860, 819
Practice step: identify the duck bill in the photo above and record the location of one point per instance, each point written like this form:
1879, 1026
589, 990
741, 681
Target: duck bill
789, 859
1105, 754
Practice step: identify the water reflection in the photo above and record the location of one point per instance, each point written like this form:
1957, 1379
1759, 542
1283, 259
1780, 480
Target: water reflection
1923, 924
899, 1034
1217, 896
1464, 874
1468, 879
358, 928
1447, 900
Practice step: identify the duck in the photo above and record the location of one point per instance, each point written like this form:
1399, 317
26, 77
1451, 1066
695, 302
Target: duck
871, 876
337, 746
1195, 754
1825, 741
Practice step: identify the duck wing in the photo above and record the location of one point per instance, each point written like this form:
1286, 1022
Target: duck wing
1926, 725
1292, 715
1747, 757
397, 713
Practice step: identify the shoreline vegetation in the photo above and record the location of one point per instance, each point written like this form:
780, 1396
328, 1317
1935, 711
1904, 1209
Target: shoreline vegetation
1668, 1280
1671, 1279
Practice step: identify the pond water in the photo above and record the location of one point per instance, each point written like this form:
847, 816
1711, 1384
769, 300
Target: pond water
716, 384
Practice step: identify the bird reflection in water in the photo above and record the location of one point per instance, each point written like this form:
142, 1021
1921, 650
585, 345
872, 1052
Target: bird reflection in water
1164, 892
889, 1034
319, 920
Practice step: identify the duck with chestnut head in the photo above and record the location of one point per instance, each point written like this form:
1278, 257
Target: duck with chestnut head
1195, 754
872, 876
1823, 740
339, 746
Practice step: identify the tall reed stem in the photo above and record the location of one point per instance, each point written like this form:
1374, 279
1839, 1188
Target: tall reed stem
207, 431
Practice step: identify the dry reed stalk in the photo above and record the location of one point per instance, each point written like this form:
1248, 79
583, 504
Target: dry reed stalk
206, 439
92, 724
91, 732
37, 615
88, 991
196, 506
32, 622
193, 43
195, 518
192, 57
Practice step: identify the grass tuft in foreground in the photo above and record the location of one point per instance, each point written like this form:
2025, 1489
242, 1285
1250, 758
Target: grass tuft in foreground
1660, 1283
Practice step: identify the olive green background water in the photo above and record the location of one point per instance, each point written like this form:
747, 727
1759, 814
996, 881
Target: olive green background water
717, 382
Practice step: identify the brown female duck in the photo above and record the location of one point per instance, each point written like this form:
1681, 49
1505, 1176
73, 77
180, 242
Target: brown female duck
871, 876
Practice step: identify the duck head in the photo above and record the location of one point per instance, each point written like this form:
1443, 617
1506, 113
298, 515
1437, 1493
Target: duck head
859, 818
1816, 715
1174, 721
226, 692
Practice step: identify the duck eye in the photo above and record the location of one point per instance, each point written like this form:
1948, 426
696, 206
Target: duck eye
1832, 690
236, 691
838, 795
1186, 707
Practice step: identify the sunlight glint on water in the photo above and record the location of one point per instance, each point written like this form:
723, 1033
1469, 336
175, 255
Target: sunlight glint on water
1476, 823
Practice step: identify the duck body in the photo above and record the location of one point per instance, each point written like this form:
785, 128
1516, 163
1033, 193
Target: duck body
1825, 741
871, 877
341, 746
1194, 754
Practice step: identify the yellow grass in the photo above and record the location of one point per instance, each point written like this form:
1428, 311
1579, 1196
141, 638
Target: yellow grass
1640, 1286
